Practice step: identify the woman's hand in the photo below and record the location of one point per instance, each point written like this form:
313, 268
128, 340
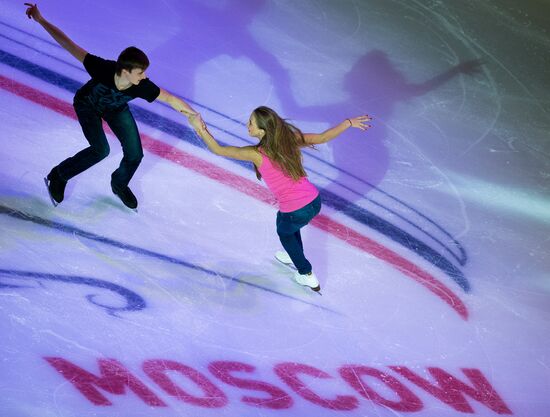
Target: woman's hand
360, 122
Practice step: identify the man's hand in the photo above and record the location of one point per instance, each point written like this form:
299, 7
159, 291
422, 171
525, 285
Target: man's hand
57, 34
33, 12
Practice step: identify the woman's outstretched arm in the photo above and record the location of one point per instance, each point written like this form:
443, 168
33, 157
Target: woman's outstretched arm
332, 133
245, 153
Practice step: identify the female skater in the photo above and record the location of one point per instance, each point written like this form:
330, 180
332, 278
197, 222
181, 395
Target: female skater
278, 160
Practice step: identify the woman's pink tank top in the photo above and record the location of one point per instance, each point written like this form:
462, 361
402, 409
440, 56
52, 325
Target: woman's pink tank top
290, 194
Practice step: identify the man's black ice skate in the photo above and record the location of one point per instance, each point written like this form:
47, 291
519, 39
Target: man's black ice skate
56, 187
126, 195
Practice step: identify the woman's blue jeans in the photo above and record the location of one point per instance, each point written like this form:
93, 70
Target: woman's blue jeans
288, 229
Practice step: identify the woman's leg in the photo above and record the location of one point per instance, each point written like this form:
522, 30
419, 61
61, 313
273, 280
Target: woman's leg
292, 243
288, 229
299, 239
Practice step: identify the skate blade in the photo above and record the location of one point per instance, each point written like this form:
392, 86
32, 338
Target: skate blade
316, 290
55, 203
135, 210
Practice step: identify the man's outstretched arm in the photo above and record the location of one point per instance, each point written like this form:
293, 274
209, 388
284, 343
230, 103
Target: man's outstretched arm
56, 33
176, 103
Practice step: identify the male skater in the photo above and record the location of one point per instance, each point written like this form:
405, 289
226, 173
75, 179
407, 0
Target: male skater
105, 96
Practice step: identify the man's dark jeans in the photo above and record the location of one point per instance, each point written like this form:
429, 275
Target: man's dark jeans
124, 127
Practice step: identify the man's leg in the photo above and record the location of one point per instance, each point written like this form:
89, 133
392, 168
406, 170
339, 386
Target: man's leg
124, 127
80, 162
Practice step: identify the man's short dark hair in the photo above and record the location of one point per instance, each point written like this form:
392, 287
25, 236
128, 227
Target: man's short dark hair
131, 58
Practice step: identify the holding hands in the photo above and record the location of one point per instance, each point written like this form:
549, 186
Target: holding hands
195, 120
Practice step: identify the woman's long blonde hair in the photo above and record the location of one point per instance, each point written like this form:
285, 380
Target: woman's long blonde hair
281, 142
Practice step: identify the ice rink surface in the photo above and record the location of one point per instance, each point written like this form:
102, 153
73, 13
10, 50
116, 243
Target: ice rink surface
432, 247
